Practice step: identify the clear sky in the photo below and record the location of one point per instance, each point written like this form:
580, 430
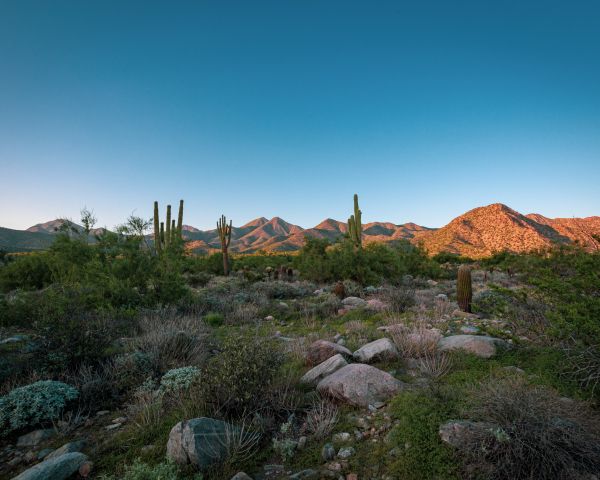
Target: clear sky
426, 109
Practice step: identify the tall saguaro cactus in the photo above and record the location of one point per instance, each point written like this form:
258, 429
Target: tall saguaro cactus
168, 232
168, 227
355, 225
180, 219
157, 236
464, 289
225, 237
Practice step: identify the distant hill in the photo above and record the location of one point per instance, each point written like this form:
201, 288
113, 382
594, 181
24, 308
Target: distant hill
477, 233
485, 230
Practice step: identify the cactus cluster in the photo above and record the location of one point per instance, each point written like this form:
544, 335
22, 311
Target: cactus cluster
224, 231
355, 225
167, 235
464, 289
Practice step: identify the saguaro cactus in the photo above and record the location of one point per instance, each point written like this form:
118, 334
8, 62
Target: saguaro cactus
464, 289
166, 233
225, 236
157, 239
168, 227
355, 225
180, 219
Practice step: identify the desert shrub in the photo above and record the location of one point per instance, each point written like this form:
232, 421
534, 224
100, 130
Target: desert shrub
146, 407
399, 299
238, 379
129, 370
352, 289
373, 264
321, 418
280, 289
29, 405
179, 378
74, 337
214, 319
172, 340
27, 272
420, 452
142, 471
211, 264
492, 302
96, 385
582, 365
544, 436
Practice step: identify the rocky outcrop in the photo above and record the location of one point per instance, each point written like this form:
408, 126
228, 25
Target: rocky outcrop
318, 373
360, 385
321, 350
381, 349
200, 441
57, 468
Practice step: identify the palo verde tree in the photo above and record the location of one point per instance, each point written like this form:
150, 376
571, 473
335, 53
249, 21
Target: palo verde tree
225, 237
355, 225
167, 235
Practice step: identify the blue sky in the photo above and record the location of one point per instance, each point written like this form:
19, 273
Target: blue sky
263, 108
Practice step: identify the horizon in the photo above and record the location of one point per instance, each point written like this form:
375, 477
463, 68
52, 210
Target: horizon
271, 109
305, 227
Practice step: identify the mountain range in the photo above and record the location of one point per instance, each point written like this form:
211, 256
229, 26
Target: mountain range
477, 233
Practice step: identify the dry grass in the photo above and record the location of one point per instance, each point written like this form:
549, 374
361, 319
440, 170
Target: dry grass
434, 364
415, 341
321, 419
146, 408
540, 435
172, 340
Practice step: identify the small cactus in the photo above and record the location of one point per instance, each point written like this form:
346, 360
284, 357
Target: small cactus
464, 289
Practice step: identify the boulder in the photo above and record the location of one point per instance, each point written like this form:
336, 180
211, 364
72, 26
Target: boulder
360, 385
318, 373
241, 476
460, 314
482, 346
34, 438
380, 349
200, 441
321, 350
353, 302
57, 468
67, 448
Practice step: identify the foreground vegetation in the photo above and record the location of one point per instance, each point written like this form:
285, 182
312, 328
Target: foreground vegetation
112, 343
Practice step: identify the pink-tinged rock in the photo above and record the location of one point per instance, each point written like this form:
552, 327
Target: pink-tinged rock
321, 350
381, 349
360, 385
324, 369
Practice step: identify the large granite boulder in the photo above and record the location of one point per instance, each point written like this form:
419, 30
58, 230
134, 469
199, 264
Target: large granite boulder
323, 369
381, 349
200, 441
479, 345
57, 468
321, 350
360, 385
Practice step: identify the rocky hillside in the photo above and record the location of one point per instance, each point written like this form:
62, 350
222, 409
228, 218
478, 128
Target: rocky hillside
477, 233
482, 231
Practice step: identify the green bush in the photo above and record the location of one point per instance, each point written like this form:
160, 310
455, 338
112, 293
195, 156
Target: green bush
29, 405
27, 272
214, 319
179, 378
371, 265
142, 471
129, 370
239, 378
